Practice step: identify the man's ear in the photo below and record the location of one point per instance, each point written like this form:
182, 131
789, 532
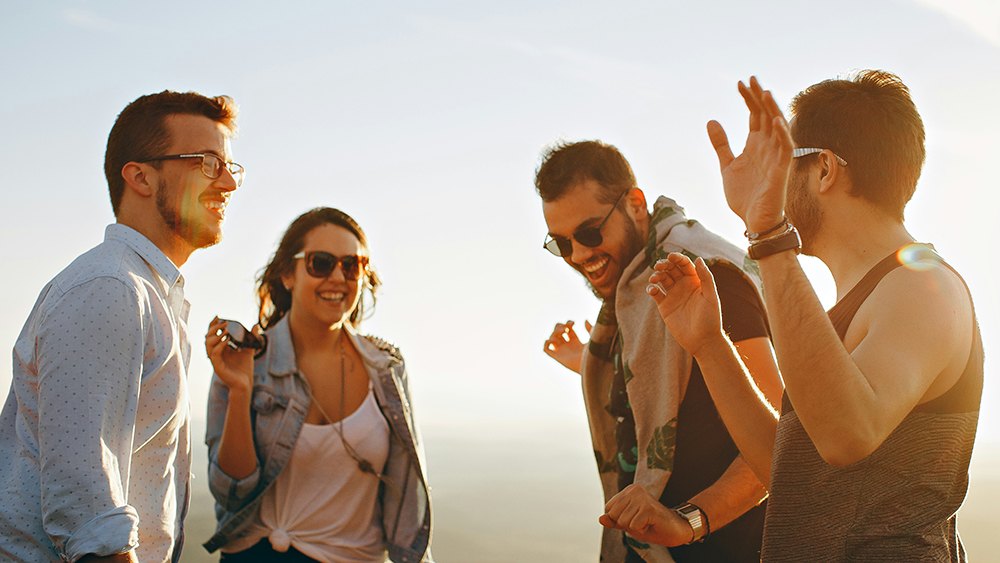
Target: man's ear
829, 171
635, 204
137, 178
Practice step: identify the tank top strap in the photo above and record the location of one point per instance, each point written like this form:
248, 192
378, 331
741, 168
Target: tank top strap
844, 311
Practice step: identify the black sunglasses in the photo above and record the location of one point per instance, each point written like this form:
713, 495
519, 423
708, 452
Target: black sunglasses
587, 236
321, 264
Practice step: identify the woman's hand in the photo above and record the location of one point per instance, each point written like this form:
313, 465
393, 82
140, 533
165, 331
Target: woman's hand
565, 347
234, 367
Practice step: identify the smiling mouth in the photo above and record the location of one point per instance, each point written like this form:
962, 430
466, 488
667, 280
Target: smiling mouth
594, 266
215, 206
332, 296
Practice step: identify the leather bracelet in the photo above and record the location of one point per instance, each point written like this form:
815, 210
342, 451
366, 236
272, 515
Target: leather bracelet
789, 240
759, 235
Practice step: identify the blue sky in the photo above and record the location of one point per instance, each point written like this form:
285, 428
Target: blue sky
425, 121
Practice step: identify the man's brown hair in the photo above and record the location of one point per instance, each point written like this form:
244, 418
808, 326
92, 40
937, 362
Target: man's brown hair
870, 121
565, 165
140, 132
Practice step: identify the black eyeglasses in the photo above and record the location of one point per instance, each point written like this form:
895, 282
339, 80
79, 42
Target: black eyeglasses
587, 236
211, 165
321, 264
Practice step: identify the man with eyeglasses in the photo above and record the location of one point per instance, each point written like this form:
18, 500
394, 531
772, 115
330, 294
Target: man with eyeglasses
95, 431
869, 458
656, 434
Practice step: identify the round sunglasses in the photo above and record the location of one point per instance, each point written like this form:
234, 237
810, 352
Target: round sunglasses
320, 264
589, 236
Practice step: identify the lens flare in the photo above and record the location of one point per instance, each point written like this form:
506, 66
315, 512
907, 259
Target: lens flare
918, 257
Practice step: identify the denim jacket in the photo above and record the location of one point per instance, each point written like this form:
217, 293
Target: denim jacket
279, 407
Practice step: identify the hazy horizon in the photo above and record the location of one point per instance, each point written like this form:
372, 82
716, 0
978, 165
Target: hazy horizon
426, 122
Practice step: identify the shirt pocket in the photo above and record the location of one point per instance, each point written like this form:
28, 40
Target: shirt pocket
270, 427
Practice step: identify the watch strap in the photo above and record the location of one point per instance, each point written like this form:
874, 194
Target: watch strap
788, 240
696, 519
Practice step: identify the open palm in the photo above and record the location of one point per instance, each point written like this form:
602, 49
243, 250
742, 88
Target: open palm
755, 181
687, 301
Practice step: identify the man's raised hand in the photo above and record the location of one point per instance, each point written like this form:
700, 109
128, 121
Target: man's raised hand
755, 181
565, 347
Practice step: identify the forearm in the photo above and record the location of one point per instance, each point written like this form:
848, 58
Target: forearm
747, 414
737, 491
832, 398
236, 455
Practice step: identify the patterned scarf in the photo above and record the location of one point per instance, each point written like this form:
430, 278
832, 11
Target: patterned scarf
656, 368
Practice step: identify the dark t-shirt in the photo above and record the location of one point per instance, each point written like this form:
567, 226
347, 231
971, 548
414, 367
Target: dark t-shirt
704, 448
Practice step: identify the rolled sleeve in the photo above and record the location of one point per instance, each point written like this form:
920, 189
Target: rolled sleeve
115, 531
229, 492
90, 350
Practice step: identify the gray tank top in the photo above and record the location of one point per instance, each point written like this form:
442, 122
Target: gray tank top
899, 503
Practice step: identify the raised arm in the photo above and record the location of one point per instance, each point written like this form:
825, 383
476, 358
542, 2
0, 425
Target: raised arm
232, 467
849, 395
688, 302
565, 347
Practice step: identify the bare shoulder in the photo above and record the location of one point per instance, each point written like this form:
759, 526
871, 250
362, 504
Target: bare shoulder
920, 316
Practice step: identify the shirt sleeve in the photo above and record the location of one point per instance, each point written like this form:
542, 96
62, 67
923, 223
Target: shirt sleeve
743, 314
90, 354
229, 492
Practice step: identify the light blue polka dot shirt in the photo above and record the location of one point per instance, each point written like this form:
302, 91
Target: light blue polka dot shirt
95, 449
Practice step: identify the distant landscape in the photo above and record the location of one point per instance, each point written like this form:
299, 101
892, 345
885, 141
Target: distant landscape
534, 498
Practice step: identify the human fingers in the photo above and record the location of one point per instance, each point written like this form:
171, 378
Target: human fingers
607, 522
720, 142
705, 275
752, 104
782, 136
588, 326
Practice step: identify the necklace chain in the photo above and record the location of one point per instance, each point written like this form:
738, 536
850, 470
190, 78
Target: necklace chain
363, 464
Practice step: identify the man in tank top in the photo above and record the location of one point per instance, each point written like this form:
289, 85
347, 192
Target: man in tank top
869, 458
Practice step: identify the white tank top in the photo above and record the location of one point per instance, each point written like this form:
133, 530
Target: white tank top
322, 504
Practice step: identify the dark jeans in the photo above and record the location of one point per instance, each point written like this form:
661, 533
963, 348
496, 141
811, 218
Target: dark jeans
262, 552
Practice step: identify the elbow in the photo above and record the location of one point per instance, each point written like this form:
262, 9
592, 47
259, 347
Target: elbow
847, 448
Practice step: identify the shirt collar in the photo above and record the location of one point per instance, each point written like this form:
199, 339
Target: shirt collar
281, 354
148, 251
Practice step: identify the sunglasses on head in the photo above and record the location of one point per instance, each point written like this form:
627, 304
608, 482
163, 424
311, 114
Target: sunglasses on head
589, 236
321, 264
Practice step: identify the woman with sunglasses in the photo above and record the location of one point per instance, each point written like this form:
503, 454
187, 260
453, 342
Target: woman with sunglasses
313, 451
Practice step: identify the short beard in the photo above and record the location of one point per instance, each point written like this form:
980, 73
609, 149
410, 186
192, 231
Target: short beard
803, 211
187, 230
632, 247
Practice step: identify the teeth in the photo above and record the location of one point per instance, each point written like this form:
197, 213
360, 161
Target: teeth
332, 295
594, 265
215, 205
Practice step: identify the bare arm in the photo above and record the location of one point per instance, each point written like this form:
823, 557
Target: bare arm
849, 398
737, 490
688, 303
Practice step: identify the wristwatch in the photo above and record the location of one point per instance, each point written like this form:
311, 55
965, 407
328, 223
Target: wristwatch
696, 518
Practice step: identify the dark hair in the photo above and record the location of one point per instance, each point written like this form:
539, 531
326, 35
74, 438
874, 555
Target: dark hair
274, 300
870, 120
140, 132
565, 165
